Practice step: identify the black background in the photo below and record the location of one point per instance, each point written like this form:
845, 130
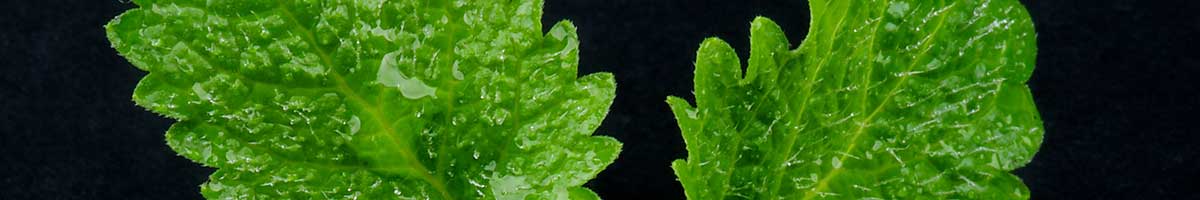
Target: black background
1116, 84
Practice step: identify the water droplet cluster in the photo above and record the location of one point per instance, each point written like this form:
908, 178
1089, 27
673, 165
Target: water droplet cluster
883, 100
371, 99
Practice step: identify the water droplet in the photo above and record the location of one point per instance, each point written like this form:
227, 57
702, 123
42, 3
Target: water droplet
898, 9
499, 116
428, 30
199, 90
473, 182
458, 75
491, 166
933, 64
390, 75
510, 187
355, 124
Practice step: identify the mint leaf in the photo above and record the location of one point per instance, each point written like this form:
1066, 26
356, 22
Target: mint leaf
899, 99
370, 99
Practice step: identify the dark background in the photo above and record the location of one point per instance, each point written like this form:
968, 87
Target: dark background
1116, 83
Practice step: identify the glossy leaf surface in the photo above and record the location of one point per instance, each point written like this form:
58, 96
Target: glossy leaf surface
899, 99
371, 99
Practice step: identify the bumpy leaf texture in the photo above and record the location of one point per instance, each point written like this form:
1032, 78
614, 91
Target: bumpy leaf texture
899, 99
371, 99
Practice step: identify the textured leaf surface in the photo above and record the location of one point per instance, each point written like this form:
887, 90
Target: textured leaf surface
371, 99
899, 99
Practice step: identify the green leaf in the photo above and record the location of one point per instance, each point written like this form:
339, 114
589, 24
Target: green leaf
899, 99
371, 99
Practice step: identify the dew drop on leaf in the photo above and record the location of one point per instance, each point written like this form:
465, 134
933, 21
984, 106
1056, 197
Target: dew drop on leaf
410, 87
354, 124
458, 75
200, 92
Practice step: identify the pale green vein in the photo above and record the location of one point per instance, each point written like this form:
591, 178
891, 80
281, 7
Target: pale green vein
808, 91
926, 44
371, 109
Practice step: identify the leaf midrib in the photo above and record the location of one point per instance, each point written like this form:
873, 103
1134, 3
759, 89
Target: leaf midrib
853, 143
371, 109
791, 139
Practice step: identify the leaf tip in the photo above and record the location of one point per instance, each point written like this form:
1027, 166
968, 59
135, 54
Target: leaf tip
713, 42
762, 20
